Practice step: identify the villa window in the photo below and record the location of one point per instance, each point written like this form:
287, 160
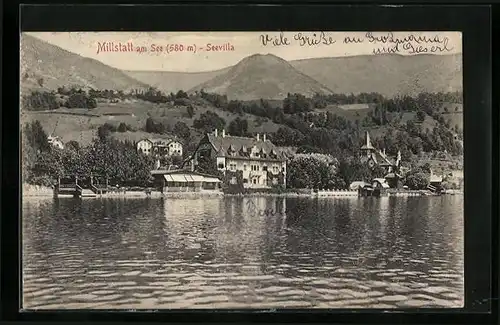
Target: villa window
232, 167
221, 166
254, 181
244, 167
264, 168
245, 180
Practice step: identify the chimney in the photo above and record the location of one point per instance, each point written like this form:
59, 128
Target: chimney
216, 131
223, 133
265, 137
258, 137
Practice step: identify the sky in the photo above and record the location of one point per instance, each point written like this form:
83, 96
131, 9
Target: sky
242, 44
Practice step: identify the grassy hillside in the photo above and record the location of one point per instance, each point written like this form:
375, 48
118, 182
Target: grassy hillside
81, 124
386, 74
45, 66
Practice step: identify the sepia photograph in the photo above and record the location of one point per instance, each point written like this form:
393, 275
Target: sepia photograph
241, 170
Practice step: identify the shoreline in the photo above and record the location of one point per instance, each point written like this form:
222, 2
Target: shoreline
29, 190
41, 191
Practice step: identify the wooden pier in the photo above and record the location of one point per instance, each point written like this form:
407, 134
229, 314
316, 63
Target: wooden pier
78, 186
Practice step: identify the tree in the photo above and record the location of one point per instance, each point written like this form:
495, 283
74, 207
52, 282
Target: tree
154, 127
209, 121
80, 100
190, 111
104, 131
40, 101
122, 127
420, 116
36, 136
238, 127
73, 145
313, 171
181, 94
350, 171
177, 160
417, 181
182, 130
296, 103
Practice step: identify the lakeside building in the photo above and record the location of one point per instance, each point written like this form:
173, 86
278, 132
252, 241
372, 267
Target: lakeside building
435, 182
55, 141
184, 181
246, 163
160, 147
375, 157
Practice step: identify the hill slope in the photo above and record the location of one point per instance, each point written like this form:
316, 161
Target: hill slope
262, 76
58, 67
170, 81
386, 74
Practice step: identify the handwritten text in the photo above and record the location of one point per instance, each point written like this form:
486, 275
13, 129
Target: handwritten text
378, 43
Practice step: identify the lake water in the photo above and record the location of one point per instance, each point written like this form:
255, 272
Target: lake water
235, 252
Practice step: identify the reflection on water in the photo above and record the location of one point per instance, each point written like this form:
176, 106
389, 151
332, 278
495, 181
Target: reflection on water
234, 252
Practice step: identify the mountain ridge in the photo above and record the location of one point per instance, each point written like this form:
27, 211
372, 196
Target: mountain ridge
398, 76
264, 76
47, 66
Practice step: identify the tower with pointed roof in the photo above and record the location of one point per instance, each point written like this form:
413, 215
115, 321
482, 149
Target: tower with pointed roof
367, 149
375, 157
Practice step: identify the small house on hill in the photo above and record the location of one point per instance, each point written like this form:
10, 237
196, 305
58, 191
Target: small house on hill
160, 147
55, 141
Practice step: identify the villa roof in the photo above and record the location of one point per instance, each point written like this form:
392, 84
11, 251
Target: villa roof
179, 171
222, 144
384, 160
381, 159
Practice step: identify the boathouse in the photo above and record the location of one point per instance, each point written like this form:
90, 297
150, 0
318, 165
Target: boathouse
435, 183
185, 181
